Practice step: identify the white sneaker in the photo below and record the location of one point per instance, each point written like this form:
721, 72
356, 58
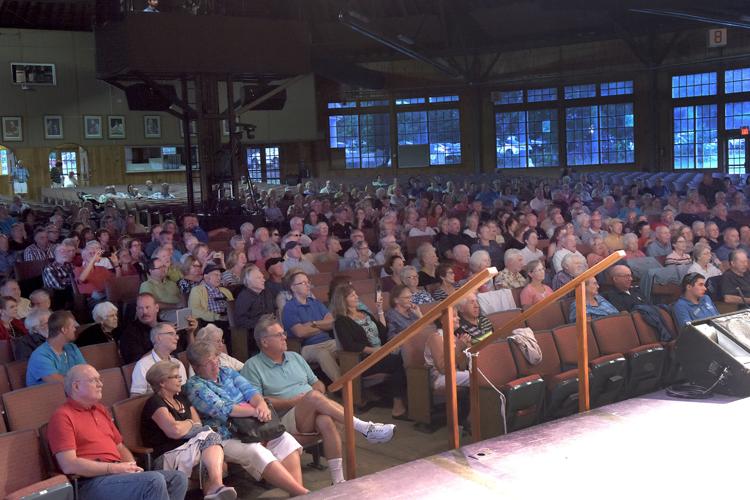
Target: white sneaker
379, 433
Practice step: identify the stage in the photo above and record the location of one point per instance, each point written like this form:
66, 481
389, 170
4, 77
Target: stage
643, 448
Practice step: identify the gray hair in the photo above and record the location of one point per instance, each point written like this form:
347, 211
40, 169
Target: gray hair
157, 329
510, 254
476, 258
73, 376
102, 310
569, 260
160, 371
261, 327
199, 351
268, 248
407, 269
34, 318
629, 238
698, 249
207, 331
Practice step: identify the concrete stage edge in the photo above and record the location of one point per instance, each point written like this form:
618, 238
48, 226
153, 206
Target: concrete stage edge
650, 447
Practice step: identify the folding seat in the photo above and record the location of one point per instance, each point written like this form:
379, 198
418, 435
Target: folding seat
17, 374
328, 266
548, 318
365, 286
320, 292
114, 388
6, 351
617, 334
30, 407
127, 415
523, 396
23, 472
607, 373
320, 279
355, 274
561, 386
4, 387
500, 318
102, 356
648, 335
127, 374
420, 395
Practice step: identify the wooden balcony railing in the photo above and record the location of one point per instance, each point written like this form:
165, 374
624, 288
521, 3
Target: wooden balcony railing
445, 310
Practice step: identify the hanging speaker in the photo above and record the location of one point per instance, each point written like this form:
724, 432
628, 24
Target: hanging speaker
142, 97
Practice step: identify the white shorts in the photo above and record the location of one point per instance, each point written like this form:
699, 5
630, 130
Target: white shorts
254, 457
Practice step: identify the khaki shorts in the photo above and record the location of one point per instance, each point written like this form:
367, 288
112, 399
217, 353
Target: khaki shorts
254, 457
290, 422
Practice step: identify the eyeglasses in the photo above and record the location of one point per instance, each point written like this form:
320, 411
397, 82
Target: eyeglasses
93, 380
276, 335
305, 283
171, 334
175, 377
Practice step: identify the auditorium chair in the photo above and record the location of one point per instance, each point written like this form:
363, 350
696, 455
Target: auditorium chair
23, 473
355, 274
500, 318
219, 246
320, 292
561, 398
239, 336
4, 387
29, 275
6, 351
17, 374
548, 318
102, 356
127, 415
30, 407
348, 360
123, 291
320, 279
524, 395
182, 356
413, 242
364, 286
127, 374
648, 335
607, 373
330, 266
114, 388
617, 334
370, 300
420, 395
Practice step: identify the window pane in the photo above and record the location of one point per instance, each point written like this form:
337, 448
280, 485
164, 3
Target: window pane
737, 80
508, 97
684, 137
444, 126
254, 166
616, 142
542, 95
344, 131
4, 162
542, 138
70, 162
273, 172
413, 100
580, 91
444, 98
617, 88
375, 140
699, 84
412, 128
341, 105
581, 125
737, 115
695, 137
510, 139
369, 104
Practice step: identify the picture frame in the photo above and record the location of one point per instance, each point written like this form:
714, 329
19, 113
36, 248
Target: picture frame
53, 127
12, 128
92, 127
116, 127
193, 128
152, 127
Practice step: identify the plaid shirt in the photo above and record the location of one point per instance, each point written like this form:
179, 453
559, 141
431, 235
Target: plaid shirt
33, 252
58, 276
216, 400
217, 301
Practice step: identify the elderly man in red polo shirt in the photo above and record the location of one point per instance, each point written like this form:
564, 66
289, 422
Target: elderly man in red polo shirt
86, 442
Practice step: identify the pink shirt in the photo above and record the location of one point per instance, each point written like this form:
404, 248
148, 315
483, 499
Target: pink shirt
530, 295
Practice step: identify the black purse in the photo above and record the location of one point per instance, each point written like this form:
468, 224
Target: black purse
252, 430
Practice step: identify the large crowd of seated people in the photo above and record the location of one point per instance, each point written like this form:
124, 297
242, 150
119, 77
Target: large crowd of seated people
419, 241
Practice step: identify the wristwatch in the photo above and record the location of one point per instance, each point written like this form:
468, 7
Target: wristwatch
314, 324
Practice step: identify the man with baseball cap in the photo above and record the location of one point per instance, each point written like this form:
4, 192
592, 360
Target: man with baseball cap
293, 259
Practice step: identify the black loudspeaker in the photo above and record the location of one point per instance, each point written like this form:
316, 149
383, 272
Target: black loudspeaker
274, 103
142, 97
707, 347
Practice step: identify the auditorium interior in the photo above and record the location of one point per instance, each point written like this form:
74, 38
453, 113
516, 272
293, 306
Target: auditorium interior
311, 202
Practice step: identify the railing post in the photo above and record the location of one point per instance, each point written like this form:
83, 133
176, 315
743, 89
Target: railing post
476, 418
351, 457
451, 395
583, 349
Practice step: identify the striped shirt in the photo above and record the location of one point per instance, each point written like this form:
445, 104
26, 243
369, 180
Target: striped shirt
477, 332
33, 252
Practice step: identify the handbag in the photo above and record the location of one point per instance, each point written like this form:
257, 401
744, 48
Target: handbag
252, 430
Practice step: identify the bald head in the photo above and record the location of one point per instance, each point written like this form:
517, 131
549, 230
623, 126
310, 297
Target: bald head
622, 277
461, 254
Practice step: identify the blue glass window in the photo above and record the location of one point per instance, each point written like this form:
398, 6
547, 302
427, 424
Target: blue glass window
580, 91
694, 85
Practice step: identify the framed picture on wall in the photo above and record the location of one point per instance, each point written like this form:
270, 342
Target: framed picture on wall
12, 128
193, 128
92, 127
152, 127
53, 127
116, 127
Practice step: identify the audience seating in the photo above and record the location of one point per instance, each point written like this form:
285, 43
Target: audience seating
115, 388
127, 374
413, 242
550, 317
123, 290
320, 279
17, 374
30, 407
524, 395
127, 415
330, 266
102, 356
22, 468
420, 395
499, 319
355, 274
562, 386
617, 334
364, 286
29, 275
4, 387
6, 351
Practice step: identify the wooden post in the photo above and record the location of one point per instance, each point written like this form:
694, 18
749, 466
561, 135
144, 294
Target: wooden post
476, 418
351, 457
583, 349
451, 395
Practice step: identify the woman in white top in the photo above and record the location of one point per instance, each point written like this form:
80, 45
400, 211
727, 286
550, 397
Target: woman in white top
702, 262
530, 252
164, 337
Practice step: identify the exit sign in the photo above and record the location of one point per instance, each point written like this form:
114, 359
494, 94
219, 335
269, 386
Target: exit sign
717, 37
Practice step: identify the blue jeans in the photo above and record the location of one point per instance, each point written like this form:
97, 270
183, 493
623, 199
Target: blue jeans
151, 485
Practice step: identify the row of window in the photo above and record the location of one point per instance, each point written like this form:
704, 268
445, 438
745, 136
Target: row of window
705, 84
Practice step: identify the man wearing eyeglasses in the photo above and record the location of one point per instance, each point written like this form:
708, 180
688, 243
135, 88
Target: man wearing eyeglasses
307, 319
297, 229
299, 397
164, 338
166, 292
293, 259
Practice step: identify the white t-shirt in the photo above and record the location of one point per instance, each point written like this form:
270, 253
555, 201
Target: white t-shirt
529, 256
139, 384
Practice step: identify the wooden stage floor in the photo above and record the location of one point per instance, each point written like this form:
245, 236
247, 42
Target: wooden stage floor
651, 447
